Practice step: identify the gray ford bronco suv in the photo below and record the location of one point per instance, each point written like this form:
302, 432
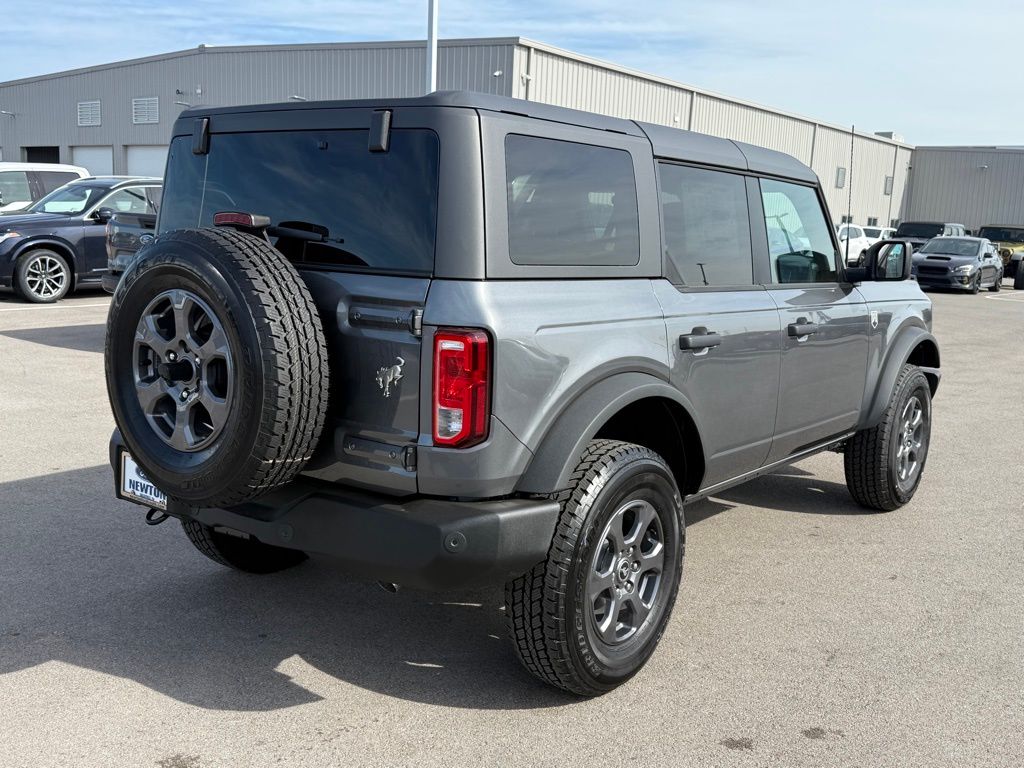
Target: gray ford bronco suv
463, 339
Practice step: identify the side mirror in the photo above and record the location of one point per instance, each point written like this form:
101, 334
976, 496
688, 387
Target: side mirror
103, 215
891, 260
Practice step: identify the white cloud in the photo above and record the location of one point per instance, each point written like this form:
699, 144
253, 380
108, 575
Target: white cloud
939, 72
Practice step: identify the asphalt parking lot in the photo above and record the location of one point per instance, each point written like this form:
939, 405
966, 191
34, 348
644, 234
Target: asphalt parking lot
807, 633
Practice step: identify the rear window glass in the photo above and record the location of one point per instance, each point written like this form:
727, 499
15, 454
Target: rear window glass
707, 226
570, 204
376, 211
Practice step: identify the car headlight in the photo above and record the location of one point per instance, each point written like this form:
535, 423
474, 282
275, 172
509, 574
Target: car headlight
966, 269
8, 235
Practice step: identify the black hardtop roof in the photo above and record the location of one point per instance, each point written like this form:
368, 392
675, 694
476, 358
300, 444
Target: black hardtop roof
669, 143
1001, 226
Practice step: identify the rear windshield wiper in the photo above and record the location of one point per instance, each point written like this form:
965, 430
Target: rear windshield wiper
303, 230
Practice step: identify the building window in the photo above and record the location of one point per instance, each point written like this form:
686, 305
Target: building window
88, 113
840, 177
894, 223
872, 221
146, 110
888, 185
847, 219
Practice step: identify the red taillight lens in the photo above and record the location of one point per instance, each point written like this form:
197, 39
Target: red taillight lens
462, 370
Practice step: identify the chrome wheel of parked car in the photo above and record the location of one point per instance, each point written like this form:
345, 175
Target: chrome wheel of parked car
913, 442
43, 277
183, 370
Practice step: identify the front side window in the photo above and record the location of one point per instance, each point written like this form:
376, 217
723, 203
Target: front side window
799, 242
570, 204
14, 187
370, 211
129, 200
707, 226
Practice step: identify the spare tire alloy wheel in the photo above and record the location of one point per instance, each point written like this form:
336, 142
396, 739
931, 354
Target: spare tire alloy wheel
183, 370
43, 277
217, 367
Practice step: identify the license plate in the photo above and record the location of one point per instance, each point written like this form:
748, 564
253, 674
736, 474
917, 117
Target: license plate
135, 486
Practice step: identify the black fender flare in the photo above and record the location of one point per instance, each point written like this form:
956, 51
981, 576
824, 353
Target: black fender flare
898, 355
49, 241
568, 435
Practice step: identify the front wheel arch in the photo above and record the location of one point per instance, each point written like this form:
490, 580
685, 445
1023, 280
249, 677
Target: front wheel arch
915, 346
50, 244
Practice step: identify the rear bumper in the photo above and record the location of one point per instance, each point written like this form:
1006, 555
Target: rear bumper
417, 542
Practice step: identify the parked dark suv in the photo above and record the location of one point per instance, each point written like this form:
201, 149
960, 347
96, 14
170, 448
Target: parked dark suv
463, 339
60, 242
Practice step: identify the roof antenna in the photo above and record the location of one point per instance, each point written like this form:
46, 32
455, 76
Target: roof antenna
849, 193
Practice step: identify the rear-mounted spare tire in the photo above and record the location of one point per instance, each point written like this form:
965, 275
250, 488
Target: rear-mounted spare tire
216, 365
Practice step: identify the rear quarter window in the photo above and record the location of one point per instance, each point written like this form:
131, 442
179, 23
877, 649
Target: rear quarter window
379, 209
570, 204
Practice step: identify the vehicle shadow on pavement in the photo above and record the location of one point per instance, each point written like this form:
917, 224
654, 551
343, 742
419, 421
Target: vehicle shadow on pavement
86, 582
794, 490
82, 338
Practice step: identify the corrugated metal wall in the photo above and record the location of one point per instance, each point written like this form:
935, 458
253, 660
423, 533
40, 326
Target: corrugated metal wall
951, 184
554, 76
45, 107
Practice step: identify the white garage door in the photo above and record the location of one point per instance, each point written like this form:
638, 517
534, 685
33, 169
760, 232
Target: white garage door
146, 161
99, 161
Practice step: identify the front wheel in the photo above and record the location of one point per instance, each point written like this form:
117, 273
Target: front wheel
884, 463
997, 283
587, 618
976, 285
42, 276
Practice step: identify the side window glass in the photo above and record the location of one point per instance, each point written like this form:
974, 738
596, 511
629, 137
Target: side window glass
799, 243
131, 200
14, 188
155, 194
52, 180
707, 226
570, 204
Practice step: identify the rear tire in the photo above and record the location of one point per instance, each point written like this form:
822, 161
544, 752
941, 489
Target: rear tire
248, 555
1018, 279
589, 617
884, 464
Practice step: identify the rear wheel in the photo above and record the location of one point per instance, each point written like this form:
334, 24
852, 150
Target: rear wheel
1018, 279
242, 554
884, 464
42, 276
587, 619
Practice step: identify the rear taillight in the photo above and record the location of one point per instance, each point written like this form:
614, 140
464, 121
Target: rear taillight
462, 370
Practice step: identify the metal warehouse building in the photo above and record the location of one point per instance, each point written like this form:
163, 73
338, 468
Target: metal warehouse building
973, 186
116, 118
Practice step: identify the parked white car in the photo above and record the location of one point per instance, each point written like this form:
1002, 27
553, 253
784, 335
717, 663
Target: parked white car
860, 239
22, 184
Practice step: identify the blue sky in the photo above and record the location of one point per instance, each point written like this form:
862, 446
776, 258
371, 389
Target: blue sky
937, 72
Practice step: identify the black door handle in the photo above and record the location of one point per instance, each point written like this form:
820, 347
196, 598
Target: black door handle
802, 328
699, 339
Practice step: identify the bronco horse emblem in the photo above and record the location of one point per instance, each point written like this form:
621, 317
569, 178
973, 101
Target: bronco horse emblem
388, 375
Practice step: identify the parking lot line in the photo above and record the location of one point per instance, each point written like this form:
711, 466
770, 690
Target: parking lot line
1016, 298
52, 306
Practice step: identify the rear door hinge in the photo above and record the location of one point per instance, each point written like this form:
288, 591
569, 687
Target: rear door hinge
416, 322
